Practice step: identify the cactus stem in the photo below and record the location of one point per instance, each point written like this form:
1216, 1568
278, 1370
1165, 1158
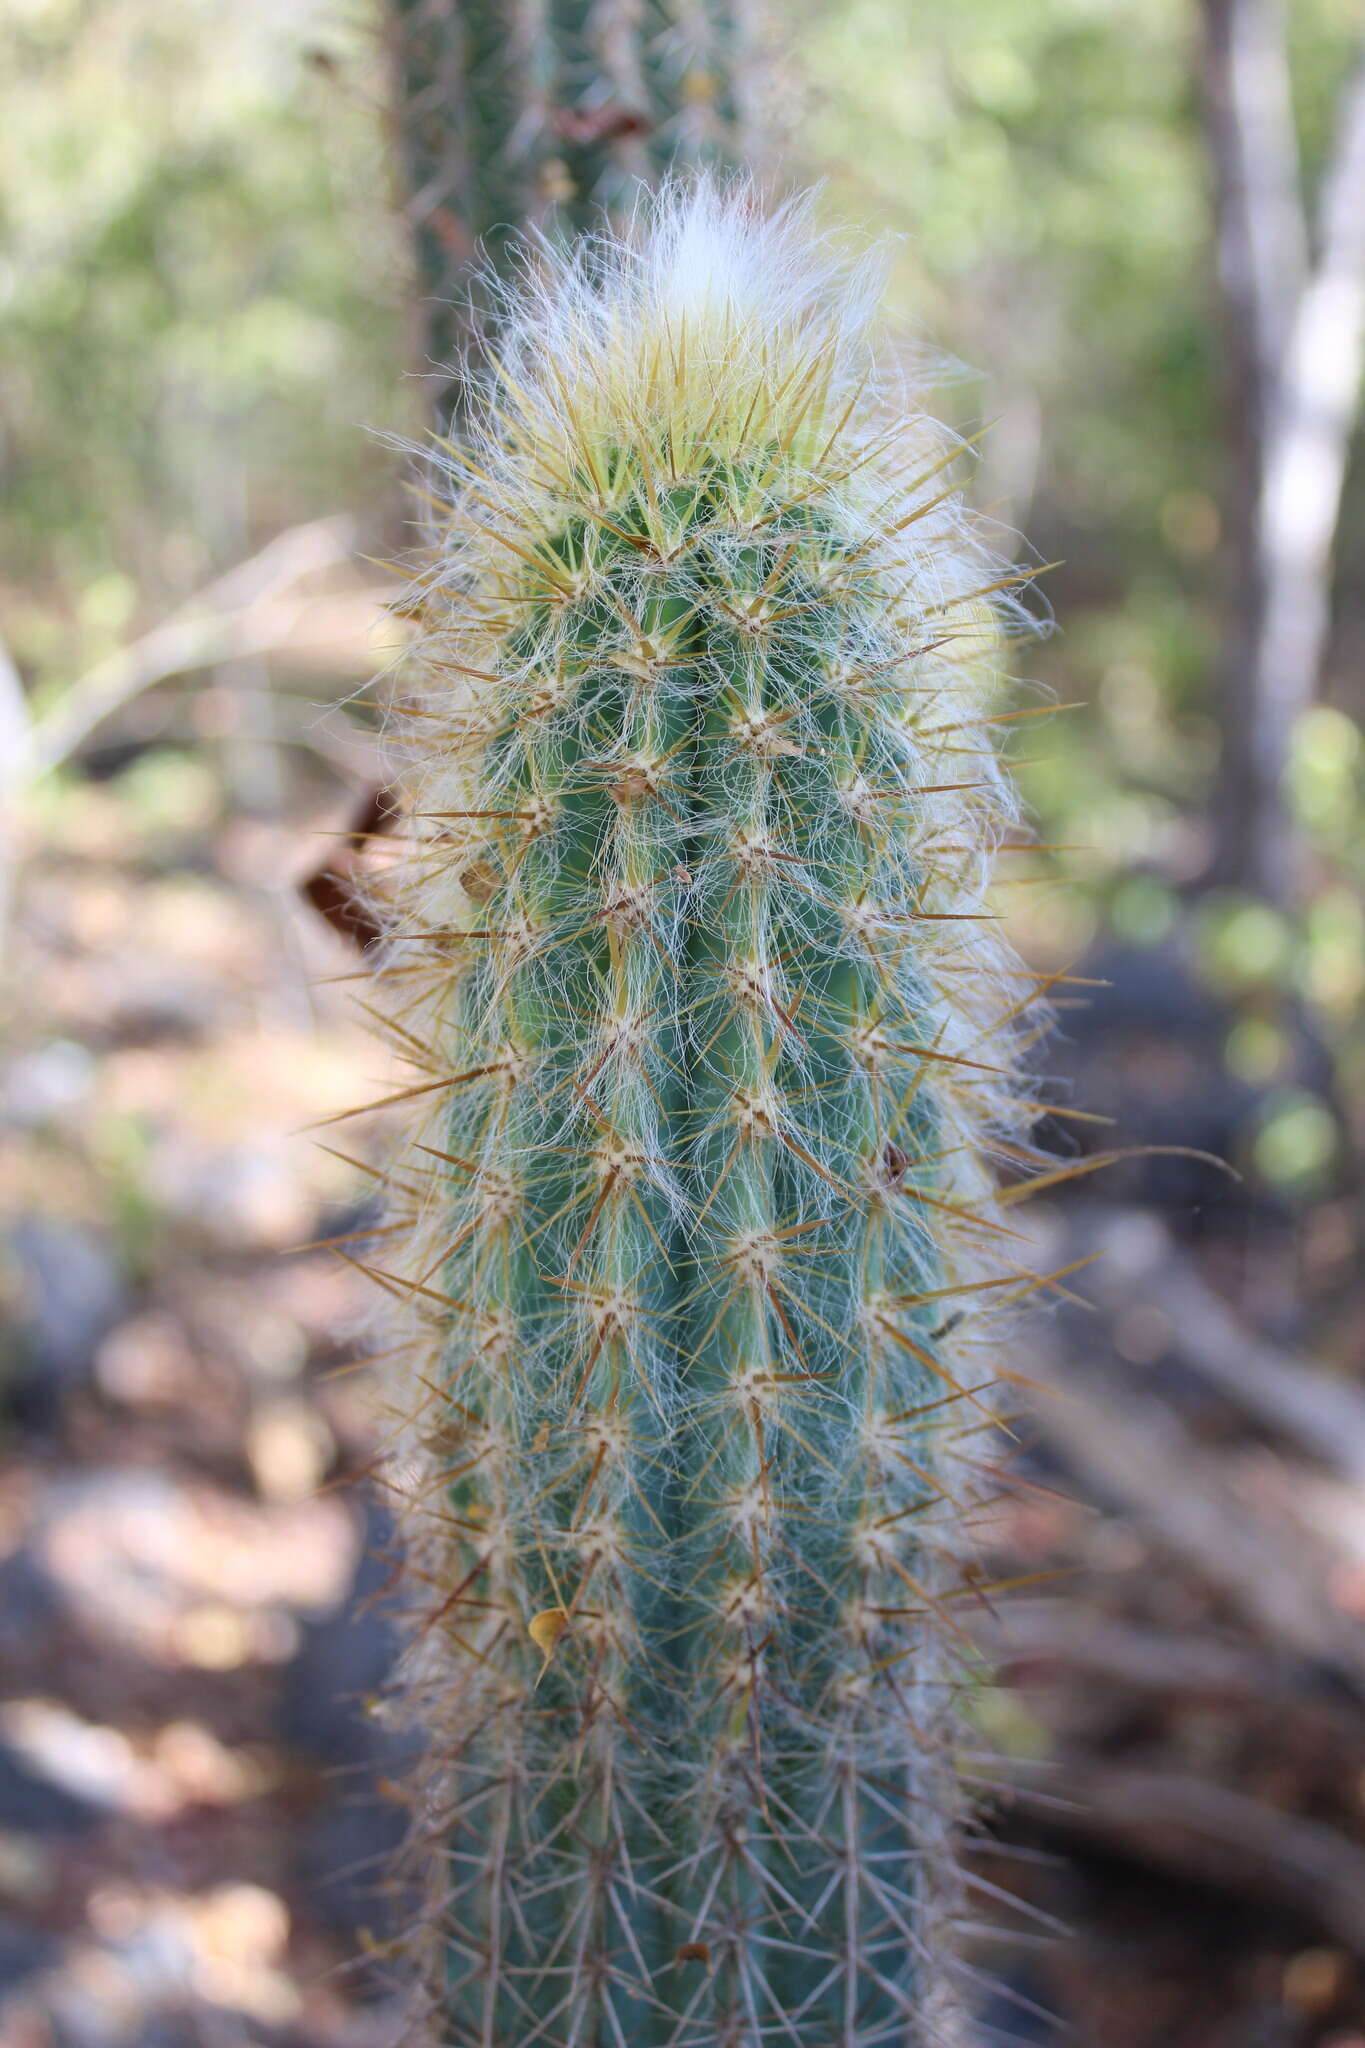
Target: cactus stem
699, 1226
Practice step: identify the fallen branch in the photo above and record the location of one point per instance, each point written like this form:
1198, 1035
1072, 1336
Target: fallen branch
1203, 1833
1073, 1639
1137, 1457
14, 734
222, 622
1319, 1415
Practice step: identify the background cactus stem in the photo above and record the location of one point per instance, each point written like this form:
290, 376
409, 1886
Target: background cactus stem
544, 113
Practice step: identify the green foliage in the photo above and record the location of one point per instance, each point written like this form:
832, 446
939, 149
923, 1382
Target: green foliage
197, 272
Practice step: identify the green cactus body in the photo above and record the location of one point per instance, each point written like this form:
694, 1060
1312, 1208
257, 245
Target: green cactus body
543, 112
713, 1035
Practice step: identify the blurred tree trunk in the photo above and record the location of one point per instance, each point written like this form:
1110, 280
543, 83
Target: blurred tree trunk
1293, 336
541, 113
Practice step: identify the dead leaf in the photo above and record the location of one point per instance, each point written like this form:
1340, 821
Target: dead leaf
545, 1630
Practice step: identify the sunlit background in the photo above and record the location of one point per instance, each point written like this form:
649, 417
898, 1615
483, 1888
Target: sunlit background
207, 353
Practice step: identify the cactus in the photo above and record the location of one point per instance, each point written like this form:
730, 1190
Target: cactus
541, 115
697, 1229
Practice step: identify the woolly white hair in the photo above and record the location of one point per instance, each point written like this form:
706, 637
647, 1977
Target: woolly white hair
705, 258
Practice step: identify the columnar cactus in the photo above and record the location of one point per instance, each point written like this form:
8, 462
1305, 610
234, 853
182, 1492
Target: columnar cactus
517, 113
712, 1033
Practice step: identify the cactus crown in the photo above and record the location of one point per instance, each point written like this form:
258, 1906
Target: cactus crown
713, 1037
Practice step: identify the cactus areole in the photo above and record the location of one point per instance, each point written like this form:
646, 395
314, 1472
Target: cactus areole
712, 1035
